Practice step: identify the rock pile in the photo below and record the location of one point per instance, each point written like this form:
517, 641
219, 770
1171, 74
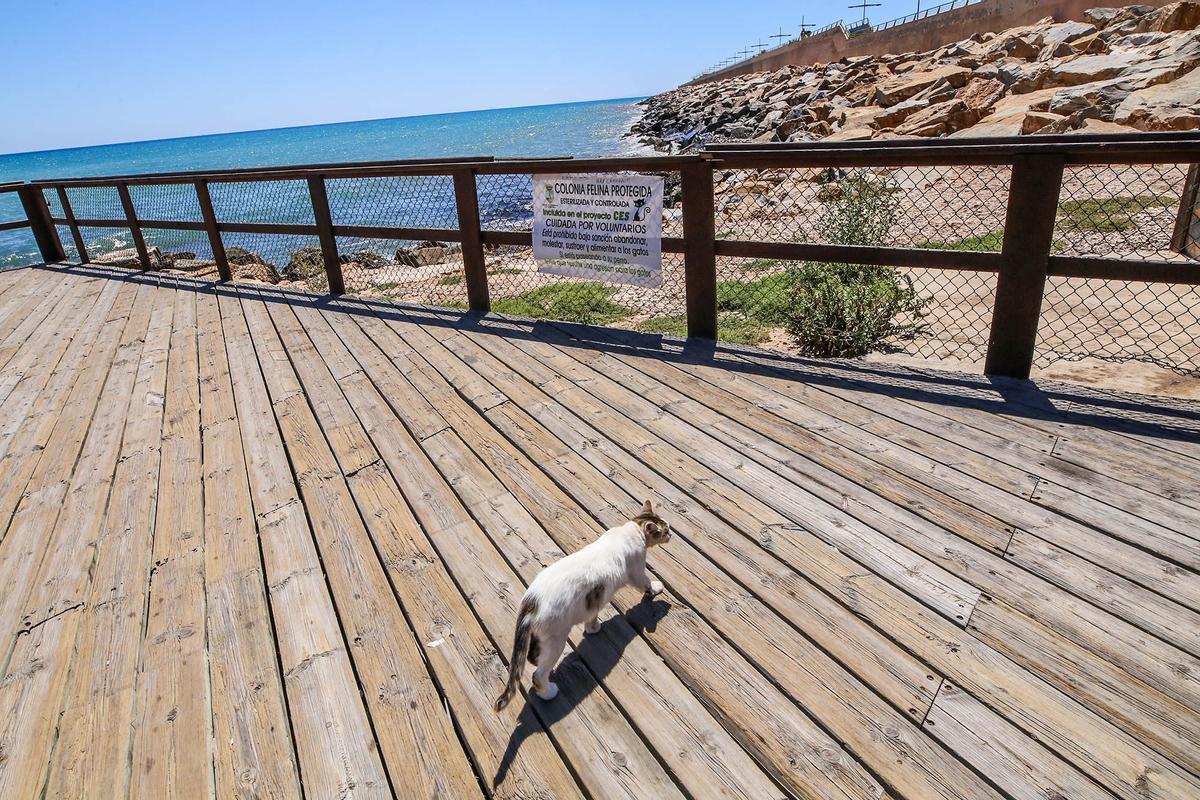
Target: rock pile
1123, 69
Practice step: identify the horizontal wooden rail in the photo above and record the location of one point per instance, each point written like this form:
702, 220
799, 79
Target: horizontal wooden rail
12, 226
1022, 266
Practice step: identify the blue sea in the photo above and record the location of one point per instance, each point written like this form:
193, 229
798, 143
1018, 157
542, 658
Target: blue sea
578, 129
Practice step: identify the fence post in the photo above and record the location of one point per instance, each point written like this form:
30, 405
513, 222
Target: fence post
466, 198
329, 251
215, 242
1028, 237
699, 249
135, 230
69, 213
44, 232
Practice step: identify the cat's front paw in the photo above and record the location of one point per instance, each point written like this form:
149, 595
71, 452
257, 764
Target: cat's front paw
655, 589
550, 693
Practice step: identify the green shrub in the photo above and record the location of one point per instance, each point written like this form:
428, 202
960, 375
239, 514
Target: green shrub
763, 299
862, 212
450, 280
586, 303
849, 310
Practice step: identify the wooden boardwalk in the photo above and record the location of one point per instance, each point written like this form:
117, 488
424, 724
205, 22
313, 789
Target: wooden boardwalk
262, 544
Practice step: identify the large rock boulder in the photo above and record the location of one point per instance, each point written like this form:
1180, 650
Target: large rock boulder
1176, 17
940, 119
1171, 106
981, 93
902, 87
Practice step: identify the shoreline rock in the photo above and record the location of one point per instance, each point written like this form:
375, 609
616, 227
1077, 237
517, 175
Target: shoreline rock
1135, 68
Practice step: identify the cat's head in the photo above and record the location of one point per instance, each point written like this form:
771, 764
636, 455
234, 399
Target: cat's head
654, 528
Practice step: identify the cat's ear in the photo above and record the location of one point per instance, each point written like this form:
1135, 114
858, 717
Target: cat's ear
647, 508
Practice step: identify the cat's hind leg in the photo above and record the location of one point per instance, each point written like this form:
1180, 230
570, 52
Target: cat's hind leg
551, 649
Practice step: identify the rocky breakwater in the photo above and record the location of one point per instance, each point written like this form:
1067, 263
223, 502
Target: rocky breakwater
1126, 69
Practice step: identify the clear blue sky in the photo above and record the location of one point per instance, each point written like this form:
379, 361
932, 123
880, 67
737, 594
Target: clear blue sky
101, 71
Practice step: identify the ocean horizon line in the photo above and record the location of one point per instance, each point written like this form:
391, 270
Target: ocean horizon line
198, 136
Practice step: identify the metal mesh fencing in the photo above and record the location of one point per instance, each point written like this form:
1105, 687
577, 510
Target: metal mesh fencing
68, 243
285, 201
168, 201
1119, 211
506, 201
1126, 212
403, 201
950, 208
943, 314
53, 203
96, 202
112, 246
421, 272
277, 258
1110, 211
1153, 323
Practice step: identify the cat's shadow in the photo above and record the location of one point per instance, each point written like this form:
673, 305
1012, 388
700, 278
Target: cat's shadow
580, 673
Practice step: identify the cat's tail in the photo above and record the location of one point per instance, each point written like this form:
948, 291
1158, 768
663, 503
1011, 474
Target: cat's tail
521, 640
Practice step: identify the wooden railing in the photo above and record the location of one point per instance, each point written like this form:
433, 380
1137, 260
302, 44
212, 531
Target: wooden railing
1022, 265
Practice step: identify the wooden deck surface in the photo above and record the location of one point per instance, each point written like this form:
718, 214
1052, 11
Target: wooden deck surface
261, 544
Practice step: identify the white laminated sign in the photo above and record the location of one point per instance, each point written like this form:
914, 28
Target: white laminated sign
600, 227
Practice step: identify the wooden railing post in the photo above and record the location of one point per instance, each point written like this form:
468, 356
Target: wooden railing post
699, 254
466, 198
135, 230
215, 242
69, 213
1028, 237
329, 251
44, 232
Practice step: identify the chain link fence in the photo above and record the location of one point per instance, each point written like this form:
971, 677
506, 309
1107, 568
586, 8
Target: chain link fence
1111, 211
1122, 212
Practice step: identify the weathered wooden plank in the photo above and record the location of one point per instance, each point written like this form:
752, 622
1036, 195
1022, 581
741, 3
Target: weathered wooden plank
56, 425
171, 753
1021, 767
588, 725
249, 708
463, 662
39, 664
328, 712
91, 755
1157, 662
686, 737
701, 584
833, 465
1049, 717
1169, 726
786, 743
970, 464
895, 674
40, 354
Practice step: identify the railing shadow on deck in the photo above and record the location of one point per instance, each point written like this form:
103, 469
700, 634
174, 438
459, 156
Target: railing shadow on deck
1042, 400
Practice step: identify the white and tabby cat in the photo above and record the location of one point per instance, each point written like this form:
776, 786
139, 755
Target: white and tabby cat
573, 590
